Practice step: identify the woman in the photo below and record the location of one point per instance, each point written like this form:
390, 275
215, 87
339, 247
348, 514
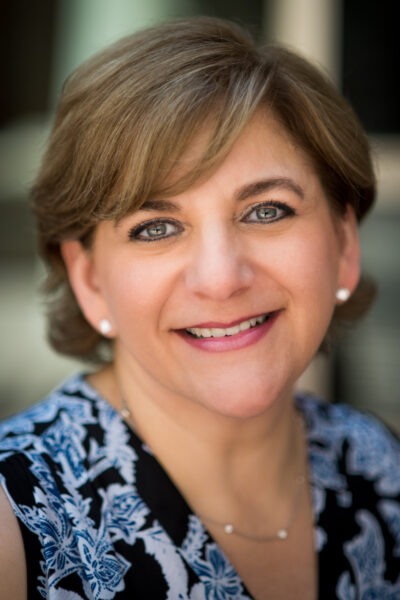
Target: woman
197, 209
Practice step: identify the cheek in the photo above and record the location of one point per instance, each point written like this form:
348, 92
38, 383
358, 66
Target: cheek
312, 262
314, 268
305, 265
135, 292
311, 257
309, 277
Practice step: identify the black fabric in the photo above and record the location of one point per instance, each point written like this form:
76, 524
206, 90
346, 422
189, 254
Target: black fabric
101, 518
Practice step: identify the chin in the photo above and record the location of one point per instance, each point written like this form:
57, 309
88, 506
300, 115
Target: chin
245, 405
251, 391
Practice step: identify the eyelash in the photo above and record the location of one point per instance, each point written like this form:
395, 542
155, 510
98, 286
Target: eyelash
138, 229
287, 210
135, 232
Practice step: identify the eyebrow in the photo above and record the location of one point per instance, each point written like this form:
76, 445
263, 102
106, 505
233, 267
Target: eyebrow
247, 191
259, 187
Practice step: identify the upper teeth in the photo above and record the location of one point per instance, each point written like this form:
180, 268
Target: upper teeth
219, 332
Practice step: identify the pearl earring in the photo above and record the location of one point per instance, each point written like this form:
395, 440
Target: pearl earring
343, 294
105, 326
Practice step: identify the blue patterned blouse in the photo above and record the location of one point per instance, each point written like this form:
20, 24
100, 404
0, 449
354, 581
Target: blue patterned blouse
100, 518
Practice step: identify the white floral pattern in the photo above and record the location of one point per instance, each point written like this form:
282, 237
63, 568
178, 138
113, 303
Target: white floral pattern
220, 579
366, 556
102, 520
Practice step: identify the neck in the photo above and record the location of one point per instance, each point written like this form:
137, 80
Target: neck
232, 456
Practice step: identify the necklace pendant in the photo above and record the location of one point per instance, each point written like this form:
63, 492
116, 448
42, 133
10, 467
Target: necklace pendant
282, 534
228, 528
125, 413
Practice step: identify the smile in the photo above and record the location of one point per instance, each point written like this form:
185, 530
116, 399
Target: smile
217, 332
211, 337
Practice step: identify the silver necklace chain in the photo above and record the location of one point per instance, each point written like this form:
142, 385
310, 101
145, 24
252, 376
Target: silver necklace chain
282, 534
228, 527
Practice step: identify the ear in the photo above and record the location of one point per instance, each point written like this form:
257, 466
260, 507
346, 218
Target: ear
82, 276
349, 262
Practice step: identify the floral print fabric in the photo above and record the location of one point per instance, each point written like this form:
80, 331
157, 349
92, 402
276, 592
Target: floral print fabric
101, 519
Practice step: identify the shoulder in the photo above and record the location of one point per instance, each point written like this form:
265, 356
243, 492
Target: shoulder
47, 439
55, 459
12, 556
72, 402
340, 423
365, 446
73, 396
355, 475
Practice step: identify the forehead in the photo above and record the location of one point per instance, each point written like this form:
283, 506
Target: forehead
264, 138
263, 150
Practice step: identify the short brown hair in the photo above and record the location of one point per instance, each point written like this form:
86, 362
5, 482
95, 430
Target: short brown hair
128, 114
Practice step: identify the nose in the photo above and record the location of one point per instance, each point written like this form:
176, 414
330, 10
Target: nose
218, 267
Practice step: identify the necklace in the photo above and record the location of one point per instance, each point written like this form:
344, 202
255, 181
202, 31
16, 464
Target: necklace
229, 528
282, 534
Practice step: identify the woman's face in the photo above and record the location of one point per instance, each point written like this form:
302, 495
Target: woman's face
256, 239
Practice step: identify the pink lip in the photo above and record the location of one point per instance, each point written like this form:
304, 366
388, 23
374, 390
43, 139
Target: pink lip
232, 342
217, 324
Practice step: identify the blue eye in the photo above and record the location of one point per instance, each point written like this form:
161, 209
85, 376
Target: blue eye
268, 212
152, 231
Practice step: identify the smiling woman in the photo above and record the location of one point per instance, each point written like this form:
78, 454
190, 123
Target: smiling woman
235, 250
198, 211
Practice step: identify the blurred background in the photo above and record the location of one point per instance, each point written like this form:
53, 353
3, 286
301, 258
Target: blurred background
355, 41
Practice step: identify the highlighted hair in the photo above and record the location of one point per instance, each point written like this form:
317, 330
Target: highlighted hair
127, 116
